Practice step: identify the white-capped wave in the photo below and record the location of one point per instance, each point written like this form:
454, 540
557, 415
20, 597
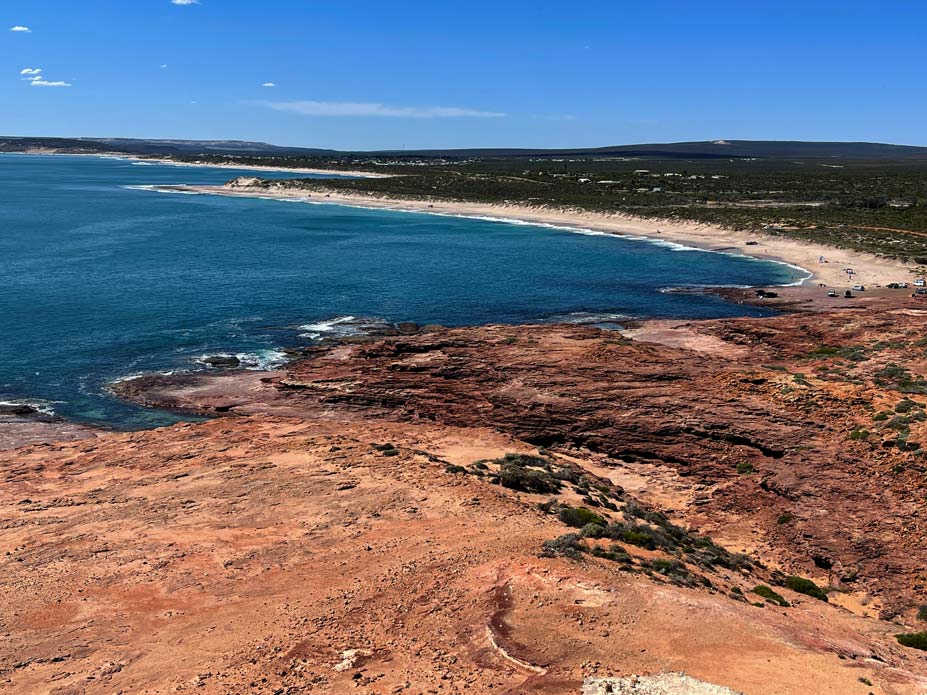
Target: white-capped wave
38, 404
156, 188
139, 375
343, 326
260, 360
586, 318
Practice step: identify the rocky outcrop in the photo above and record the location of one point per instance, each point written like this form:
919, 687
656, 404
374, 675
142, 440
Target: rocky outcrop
780, 440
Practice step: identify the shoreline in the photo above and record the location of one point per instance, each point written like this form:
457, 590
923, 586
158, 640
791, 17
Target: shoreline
352, 173
870, 269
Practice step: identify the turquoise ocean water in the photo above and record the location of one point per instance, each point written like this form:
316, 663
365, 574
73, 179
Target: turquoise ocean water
101, 280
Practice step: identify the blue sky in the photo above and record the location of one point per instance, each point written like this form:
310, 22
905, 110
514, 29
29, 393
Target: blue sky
385, 74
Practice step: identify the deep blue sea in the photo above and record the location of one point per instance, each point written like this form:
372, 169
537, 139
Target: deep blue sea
101, 281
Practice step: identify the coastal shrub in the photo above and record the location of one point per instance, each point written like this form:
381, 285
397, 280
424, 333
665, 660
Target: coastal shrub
549, 506
879, 417
592, 531
568, 545
905, 405
745, 468
639, 512
641, 540
384, 447
915, 640
770, 595
858, 434
894, 376
854, 353
673, 570
579, 517
805, 586
785, 518
641, 535
391, 452
615, 554
527, 474
453, 468
922, 613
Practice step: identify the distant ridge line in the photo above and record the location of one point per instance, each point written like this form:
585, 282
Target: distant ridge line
715, 149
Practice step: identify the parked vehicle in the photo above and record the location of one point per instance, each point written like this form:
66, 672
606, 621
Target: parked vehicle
859, 288
831, 293
920, 282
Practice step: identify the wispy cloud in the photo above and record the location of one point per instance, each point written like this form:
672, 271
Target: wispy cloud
347, 108
269, 84
555, 117
185, 2
42, 82
21, 29
164, 66
34, 77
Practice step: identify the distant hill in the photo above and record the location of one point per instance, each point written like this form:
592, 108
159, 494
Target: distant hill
741, 149
154, 147
737, 149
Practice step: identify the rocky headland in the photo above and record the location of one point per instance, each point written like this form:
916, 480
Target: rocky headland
510, 509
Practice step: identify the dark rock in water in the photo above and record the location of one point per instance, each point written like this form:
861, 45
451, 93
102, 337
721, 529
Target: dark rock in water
222, 361
407, 328
18, 410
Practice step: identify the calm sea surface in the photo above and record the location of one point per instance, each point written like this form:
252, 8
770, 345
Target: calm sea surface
101, 281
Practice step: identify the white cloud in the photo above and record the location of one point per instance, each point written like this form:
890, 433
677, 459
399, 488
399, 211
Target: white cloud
185, 2
337, 108
269, 84
21, 29
30, 71
42, 82
163, 66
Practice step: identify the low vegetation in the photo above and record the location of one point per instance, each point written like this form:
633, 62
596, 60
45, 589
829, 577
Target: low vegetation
801, 585
767, 593
877, 206
915, 640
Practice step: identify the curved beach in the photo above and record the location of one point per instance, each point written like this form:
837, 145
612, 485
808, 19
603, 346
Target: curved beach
869, 269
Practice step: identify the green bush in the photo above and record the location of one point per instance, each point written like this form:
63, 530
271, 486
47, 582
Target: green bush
452, 468
578, 517
592, 531
615, 554
568, 545
922, 612
915, 640
770, 595
785, 518
515, 476
805, 586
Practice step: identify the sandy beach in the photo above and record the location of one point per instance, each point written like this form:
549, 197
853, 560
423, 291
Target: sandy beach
258, 167
171, 162
869, 269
